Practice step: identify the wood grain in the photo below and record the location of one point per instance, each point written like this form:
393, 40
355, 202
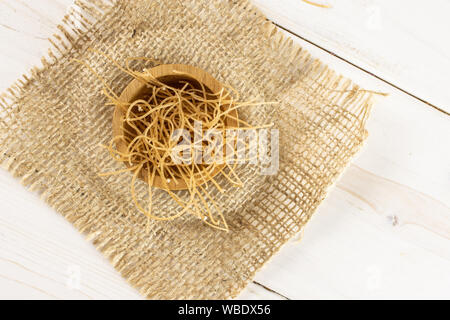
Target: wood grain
402, 42
383, 231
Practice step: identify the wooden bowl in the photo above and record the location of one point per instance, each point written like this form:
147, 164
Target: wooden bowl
168, 73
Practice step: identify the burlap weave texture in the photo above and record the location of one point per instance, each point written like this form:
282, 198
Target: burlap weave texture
52, 122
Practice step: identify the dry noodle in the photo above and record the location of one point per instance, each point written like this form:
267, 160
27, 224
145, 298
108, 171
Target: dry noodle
149, 125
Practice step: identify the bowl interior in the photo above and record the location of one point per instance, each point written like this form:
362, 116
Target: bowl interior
170, 75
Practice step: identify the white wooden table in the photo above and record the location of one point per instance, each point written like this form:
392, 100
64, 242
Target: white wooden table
383, 231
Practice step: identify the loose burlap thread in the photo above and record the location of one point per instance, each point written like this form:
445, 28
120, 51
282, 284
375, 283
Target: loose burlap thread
53, 120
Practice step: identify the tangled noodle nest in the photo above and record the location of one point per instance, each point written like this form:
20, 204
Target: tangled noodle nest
154, 150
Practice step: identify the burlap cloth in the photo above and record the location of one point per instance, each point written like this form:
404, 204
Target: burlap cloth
53, 120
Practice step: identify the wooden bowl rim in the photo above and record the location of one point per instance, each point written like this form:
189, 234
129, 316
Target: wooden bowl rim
134, 89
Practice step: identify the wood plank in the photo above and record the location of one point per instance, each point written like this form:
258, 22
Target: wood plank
384, 229
382, 232
25, 27
404, 42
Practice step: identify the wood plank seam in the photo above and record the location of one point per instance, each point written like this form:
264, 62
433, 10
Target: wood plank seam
362, 69
270, 290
